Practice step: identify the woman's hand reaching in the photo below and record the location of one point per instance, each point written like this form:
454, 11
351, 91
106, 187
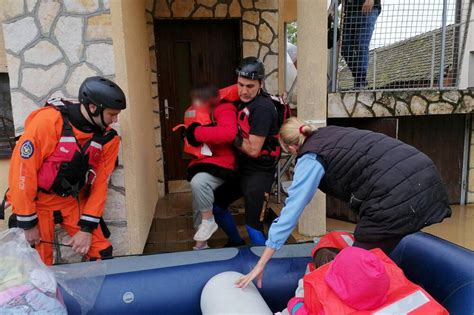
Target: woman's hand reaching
257, 272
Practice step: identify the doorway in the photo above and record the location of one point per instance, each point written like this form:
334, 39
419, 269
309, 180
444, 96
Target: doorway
441, 137
190, 52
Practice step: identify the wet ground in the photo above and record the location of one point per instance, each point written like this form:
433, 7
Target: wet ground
172, 228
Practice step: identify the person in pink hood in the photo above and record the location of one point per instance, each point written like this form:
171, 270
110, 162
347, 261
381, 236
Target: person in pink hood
358, 281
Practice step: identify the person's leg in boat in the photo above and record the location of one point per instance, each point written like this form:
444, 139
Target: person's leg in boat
46, 229
100, 247
224, 196
202, 187
256, 188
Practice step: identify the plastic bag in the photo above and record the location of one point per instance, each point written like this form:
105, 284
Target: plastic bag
27, 285
82, 282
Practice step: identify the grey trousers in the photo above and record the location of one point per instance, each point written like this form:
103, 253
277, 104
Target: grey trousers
202, 187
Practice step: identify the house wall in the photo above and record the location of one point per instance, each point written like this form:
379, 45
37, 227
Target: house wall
288, 13
3, 56
259, 34
470, 179
467, 63
399, 103
133, 72
51, 47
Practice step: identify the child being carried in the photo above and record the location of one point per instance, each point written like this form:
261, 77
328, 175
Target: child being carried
211, 127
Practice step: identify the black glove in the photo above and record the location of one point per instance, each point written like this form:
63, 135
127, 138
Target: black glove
189, 135
238, 141
238, 138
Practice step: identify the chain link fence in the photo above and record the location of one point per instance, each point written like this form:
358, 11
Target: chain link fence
397, 44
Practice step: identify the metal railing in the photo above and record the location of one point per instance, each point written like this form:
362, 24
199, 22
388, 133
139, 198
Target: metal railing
398, 44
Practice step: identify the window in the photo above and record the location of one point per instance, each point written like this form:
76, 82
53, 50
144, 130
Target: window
6, 121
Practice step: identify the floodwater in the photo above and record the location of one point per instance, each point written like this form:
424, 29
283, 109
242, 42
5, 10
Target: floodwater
458, 229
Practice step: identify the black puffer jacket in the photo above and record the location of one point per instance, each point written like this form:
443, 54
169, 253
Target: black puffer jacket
395, 189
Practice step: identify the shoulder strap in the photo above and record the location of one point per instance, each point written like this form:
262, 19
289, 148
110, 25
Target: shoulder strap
60, 106
108, 136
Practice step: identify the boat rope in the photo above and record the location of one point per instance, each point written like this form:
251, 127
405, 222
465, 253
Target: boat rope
92, 257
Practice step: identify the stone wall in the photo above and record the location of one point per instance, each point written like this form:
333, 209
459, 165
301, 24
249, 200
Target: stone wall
52, 46
259, 35
399, 103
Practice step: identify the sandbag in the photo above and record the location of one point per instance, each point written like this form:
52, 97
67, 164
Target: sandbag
221, 297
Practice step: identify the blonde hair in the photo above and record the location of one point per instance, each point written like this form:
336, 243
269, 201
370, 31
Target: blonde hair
294, 132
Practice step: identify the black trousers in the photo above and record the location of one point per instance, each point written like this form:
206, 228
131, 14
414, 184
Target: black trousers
255, 187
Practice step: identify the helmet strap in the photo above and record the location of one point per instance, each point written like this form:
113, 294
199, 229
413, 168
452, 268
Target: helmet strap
94, 115
104, 125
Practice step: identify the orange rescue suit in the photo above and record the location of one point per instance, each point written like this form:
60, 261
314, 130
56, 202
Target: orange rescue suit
43, 129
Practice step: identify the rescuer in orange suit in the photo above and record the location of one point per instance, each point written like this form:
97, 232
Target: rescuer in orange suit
60, 169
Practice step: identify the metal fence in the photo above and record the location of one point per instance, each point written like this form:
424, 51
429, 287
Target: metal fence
397, 44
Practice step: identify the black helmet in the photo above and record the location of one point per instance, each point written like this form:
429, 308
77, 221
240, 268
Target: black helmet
103, 93
251, 68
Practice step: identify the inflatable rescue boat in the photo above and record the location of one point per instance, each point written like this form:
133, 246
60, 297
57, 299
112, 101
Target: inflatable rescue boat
173, 283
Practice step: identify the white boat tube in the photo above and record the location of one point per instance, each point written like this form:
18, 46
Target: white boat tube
221, 297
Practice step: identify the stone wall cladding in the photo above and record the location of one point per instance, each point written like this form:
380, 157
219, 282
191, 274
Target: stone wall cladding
259, 38
399, 103
52, 46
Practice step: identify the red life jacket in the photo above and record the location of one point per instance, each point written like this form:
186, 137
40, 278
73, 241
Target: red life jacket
203, 116
273, 149
323, 295
339, 240
71, 167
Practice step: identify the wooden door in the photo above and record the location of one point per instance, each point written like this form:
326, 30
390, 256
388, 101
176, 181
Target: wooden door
441, 137
190, 53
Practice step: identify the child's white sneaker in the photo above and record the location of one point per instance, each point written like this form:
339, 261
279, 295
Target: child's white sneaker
205, 230
201, 248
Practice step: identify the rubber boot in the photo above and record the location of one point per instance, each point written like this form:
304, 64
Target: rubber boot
257, 238
226, 222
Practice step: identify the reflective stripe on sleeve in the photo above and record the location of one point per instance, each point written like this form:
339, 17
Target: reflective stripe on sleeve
90, 218
67, 139
347, 239
96, 145
26, 218
406, 305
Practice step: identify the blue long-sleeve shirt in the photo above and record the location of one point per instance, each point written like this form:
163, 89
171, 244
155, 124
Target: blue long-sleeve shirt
308, 174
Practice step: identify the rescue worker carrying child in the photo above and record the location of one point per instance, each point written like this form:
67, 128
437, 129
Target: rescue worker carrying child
259, 150
60, 169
